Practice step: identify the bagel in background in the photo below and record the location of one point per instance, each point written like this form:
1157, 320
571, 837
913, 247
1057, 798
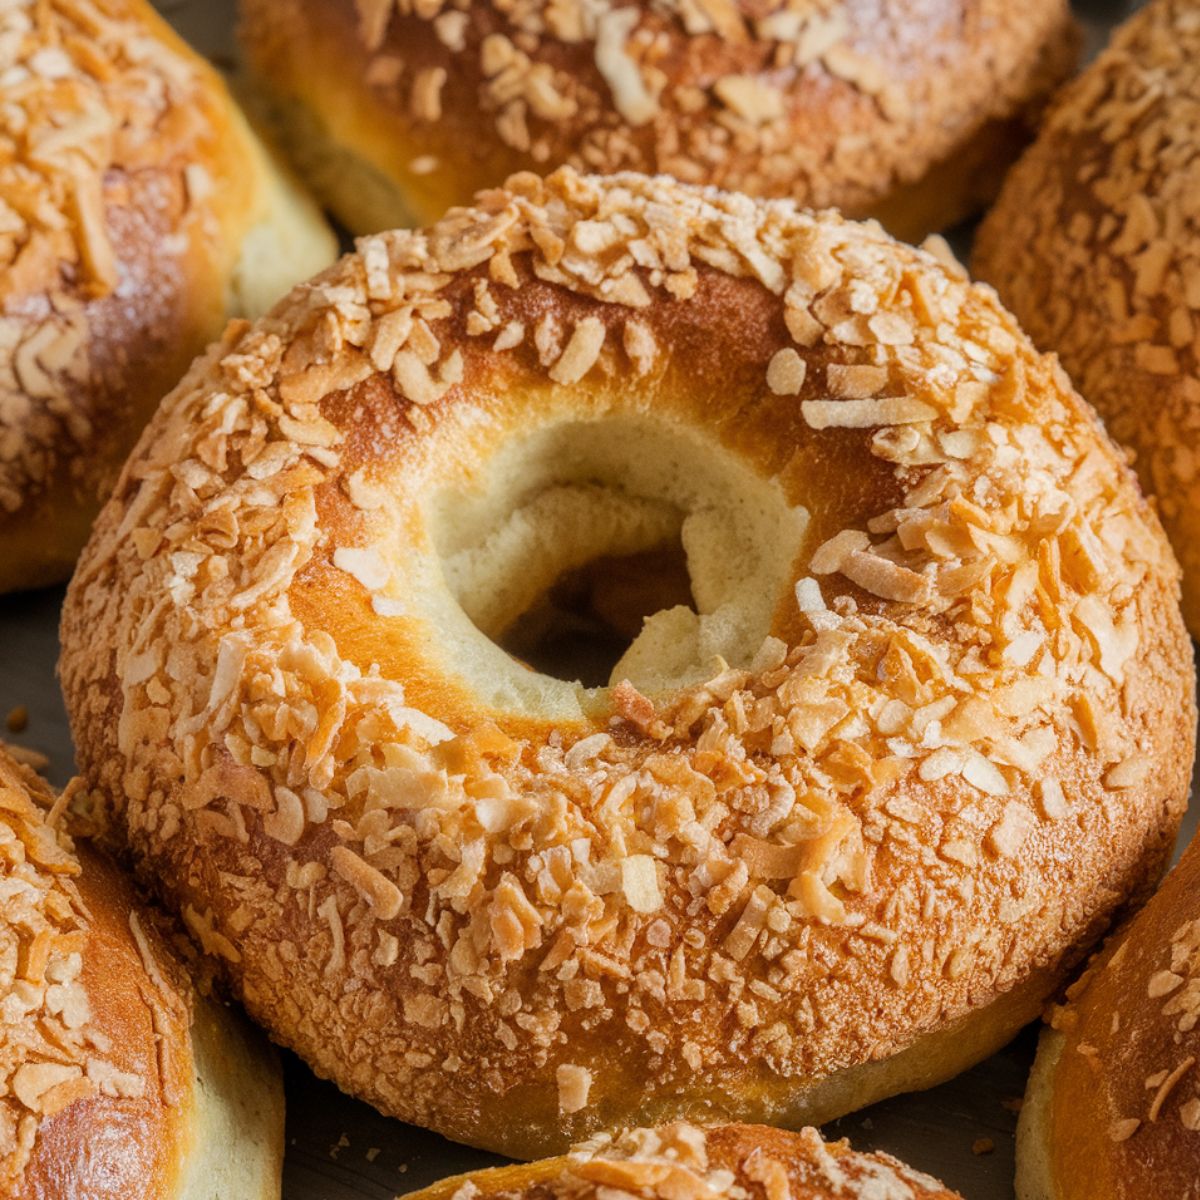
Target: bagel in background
905, 111
1112, 1111
120, 1082
1094, 244
835, 830
137, 212
752, 1162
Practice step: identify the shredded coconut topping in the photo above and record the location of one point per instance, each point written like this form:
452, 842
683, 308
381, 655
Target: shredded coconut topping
51, 1054
1095, 244
989, 630
731, 1162
819, 100
1131, 1038
105, 130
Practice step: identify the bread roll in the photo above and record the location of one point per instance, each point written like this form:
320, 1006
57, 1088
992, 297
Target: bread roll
118, 1080
1095, 246
833, 830
749, 1162
137, 212
906, 111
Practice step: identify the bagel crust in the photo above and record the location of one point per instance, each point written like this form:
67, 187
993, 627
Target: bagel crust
834, 833
1095, 245
905, 110
741, 1162
1113, 1107
137, 211
115, 1073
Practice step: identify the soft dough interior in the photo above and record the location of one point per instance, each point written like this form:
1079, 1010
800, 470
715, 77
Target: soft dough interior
576, 491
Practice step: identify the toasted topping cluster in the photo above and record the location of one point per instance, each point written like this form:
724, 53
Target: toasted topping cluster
1095, 245
102, 133
686, 1162
820, 100
964, 740
50, 1053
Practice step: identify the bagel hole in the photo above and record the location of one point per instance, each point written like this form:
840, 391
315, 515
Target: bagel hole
581, 627
592, 552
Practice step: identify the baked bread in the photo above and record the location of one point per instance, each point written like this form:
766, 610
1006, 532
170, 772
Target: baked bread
137, 211
1113, 1106
906, 111
119, 1082
741, 1162
1095, 246
835, 829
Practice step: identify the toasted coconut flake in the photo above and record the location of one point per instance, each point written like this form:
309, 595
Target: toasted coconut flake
865, 414
574, 1086
365, 564
631, 97
830, 556
639, 882
785, 373
886, 579
384, 897
855, 381
1008, 835
1123, 1130
751, 98
581, 351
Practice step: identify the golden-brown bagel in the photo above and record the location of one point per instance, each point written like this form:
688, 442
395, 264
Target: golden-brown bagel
833, 833
750, 1162
906, 110
1095, 246
119, 1082
1112, 1111
137, 211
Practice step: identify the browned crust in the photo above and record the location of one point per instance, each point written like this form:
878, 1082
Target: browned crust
1095, 245
850, 104
1123, 1114
120, 1128
127, 186
119, 1148
686, 1162
218, 652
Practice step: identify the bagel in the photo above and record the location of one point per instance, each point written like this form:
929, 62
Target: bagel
906, 111
1112, 1111
137, 211
744, 1161
119, 1082
1095, 246
833, 831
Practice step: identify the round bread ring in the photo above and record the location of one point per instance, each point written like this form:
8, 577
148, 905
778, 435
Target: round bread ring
904, 111
750, 1162
836, 835
1095, 245
1112, 1110
120, 1081
137, 212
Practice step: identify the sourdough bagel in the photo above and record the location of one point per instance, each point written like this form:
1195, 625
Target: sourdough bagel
833, 832
907, 111
119, 1081
742, 1162
1095, 245
1112, 1111
136, 212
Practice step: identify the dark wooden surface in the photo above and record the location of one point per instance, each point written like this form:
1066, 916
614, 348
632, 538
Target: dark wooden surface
338, 1149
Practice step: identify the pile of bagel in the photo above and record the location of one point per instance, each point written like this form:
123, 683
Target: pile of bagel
637, 658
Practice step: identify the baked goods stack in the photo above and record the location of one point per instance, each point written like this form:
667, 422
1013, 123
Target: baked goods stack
634, 661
